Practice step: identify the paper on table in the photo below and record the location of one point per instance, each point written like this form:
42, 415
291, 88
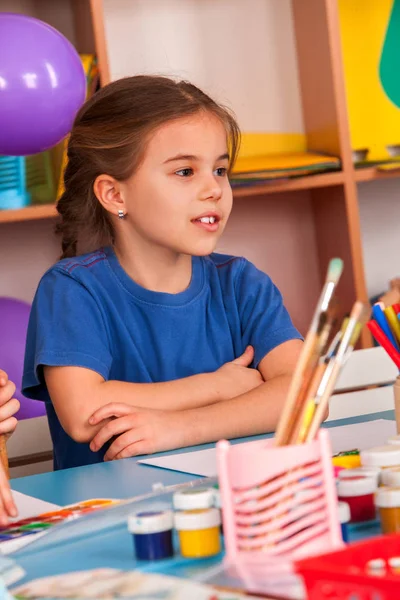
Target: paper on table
28, 506
359, 435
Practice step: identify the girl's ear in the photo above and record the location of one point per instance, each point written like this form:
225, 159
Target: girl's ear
108, 192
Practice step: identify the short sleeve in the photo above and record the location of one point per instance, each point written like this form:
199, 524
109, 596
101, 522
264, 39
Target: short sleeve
265, 322
66, 328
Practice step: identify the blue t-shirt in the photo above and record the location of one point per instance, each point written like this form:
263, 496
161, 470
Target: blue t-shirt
88, 312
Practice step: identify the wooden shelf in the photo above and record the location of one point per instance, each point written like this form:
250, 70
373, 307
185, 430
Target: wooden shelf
292, 185
372, 174
30, 213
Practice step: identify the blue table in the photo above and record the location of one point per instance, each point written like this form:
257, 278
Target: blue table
118, 479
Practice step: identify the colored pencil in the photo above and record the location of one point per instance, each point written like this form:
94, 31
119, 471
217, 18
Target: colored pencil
393, 322
380, 318
396, 308
384, 341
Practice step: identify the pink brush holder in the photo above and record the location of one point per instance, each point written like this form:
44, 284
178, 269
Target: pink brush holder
279, 505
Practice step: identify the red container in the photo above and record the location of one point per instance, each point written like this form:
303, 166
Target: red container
344, 575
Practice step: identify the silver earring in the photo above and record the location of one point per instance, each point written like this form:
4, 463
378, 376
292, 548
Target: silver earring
121, 214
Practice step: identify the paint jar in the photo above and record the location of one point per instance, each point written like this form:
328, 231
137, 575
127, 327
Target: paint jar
198, 532
358, 492
361, 472
387, 500
381, 456
391, 477
376, 567
394, 564
344, 519
194, 499
152, 534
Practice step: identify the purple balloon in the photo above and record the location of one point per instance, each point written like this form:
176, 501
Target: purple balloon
14, 317
42, 85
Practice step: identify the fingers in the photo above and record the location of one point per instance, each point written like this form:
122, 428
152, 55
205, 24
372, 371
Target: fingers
3, 378
111, 429
8, 426
7, 391
114, 409
9, 409
135, 449
130, 441
246, 358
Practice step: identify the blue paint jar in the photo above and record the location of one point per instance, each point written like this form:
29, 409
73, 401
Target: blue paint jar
344, 518
152, 534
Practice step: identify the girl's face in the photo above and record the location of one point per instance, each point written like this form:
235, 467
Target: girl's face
180, 197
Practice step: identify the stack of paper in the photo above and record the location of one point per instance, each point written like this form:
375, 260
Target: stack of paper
255, 170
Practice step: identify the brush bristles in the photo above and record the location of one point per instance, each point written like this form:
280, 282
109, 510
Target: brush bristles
335, 270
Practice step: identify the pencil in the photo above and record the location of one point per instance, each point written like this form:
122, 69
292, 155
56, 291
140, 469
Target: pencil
393, 321
384, 341
380, 318
396, 308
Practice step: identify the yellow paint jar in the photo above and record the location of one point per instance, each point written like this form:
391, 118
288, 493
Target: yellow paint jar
198, 532
387, 500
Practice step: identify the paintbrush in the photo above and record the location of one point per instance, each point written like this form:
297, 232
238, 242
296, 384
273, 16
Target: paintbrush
309, 406
309, 356
358, 317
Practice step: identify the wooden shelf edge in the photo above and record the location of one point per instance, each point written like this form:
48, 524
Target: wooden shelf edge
292, 185
372, 174
29, 213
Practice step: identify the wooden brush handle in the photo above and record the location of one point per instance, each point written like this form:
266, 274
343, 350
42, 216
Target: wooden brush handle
3, 455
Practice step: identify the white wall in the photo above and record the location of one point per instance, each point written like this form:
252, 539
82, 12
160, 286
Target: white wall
26, 251
380, 224
240, 51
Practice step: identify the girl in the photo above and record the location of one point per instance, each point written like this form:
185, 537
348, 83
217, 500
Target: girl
149, 340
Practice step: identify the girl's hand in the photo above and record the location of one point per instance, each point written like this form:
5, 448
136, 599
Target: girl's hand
8, 405
139, 431
237, 377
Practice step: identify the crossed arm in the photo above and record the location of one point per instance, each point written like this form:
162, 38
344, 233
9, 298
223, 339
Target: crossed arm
234, 401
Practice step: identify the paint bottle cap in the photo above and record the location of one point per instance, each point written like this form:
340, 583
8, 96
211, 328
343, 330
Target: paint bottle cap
360, 471
150, 521
376, 564
394, 562
387, 497
356, 486
218, 499
344, 512
192, 520
395, 439
381, 456
193, 498
391, 476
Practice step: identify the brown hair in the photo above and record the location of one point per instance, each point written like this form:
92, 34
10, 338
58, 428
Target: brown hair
109, 135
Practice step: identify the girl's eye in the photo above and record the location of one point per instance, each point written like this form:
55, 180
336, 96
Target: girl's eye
184, 172
221, 171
